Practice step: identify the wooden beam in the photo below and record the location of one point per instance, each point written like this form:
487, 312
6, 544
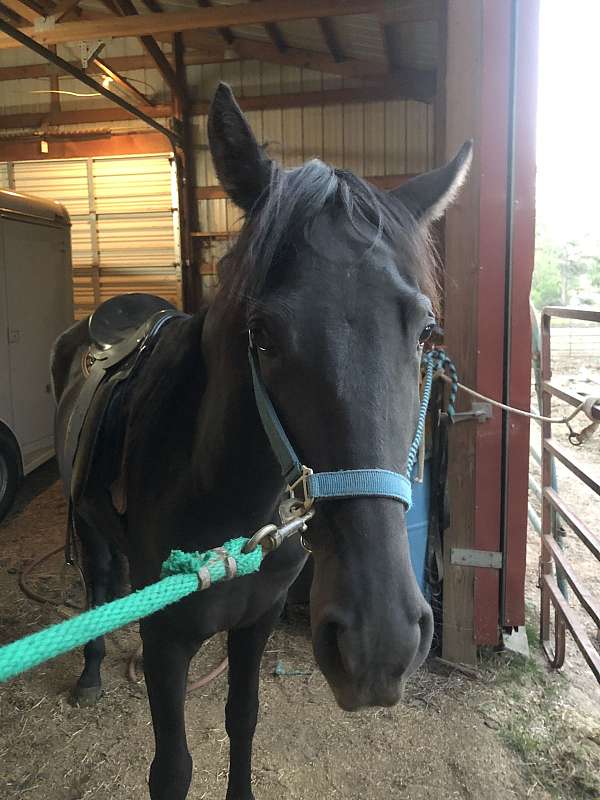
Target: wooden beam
64, 7
384, 182
399, 87
352, 68
201, 19
244, 49
390, 89
80, 75
26, 9
123, 84
41, 119
224, 32
331, 39
121, 63
389, 47
163, 65
9, 15
275, 34
101, 143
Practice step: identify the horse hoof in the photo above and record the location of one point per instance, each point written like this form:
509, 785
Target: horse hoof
85, 696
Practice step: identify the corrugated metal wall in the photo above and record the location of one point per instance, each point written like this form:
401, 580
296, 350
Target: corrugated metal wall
372, 139
124, 222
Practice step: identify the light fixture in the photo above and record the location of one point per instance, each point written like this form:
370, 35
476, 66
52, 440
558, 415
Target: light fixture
106, 81
43, 146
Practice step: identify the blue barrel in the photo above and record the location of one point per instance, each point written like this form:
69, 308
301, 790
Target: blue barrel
417, 523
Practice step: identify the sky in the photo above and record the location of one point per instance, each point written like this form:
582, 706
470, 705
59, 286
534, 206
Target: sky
568, 133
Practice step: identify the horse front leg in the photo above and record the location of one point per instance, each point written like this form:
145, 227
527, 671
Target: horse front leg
245, 648
166, 663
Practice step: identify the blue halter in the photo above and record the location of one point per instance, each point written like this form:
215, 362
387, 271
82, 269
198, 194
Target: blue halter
349, 482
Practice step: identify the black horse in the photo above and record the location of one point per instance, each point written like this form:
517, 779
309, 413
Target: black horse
335, 280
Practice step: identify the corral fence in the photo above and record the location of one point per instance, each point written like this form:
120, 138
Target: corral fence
556, 512
576, 341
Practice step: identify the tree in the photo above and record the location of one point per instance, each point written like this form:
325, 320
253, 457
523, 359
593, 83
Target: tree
571, 264
593, 270
547, 283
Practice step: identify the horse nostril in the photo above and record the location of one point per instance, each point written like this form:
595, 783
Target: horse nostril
333, 633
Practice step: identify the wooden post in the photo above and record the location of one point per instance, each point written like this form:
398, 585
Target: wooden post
191, 284
483, 319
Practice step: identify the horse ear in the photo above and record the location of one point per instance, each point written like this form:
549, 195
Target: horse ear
241, 165
428, 195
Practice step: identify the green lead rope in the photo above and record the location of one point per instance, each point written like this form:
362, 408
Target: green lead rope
182, 574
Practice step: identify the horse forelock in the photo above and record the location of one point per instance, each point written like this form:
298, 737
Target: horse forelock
282, 218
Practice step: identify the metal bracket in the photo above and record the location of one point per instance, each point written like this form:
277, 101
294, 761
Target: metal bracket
481, 412
89, 51
487, 559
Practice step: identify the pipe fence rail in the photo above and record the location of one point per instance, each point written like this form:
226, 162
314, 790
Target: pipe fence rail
553, 559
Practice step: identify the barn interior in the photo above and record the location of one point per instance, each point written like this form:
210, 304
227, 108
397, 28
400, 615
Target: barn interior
104, 107
103, 110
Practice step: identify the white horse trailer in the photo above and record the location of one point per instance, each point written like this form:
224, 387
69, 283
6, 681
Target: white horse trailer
36, 304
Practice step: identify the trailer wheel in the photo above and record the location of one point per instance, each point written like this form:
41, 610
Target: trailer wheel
9, 473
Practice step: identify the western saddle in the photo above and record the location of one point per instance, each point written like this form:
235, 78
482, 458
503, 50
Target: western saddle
122, 332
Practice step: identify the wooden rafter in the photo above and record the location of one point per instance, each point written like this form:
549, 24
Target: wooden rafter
351, 68
275, 34
200, 19
244, 49
124, 85
387, 89
163, 65
9, 14
389, 48
63, 8
331, 38
27, 9
224, 31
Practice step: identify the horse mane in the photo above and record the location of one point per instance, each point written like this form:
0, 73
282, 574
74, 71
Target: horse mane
283, 215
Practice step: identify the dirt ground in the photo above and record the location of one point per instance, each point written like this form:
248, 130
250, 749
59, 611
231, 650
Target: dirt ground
509, 730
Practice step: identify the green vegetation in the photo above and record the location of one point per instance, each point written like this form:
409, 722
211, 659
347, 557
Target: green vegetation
559, 749
564, 270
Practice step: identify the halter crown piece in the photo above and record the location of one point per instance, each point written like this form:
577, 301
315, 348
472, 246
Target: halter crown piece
344, 483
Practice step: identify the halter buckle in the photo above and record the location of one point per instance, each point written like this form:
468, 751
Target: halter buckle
295, 506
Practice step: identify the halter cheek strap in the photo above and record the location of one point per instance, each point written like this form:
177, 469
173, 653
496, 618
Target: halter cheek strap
344, 483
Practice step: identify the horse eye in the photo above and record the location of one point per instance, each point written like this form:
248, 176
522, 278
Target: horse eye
260, 339
426, 333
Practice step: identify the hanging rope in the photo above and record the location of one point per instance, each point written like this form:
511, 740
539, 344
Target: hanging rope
442, 361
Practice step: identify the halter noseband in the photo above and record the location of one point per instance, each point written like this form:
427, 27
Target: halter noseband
344, 483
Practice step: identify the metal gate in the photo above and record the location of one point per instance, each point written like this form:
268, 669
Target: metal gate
552, 557
124, 222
